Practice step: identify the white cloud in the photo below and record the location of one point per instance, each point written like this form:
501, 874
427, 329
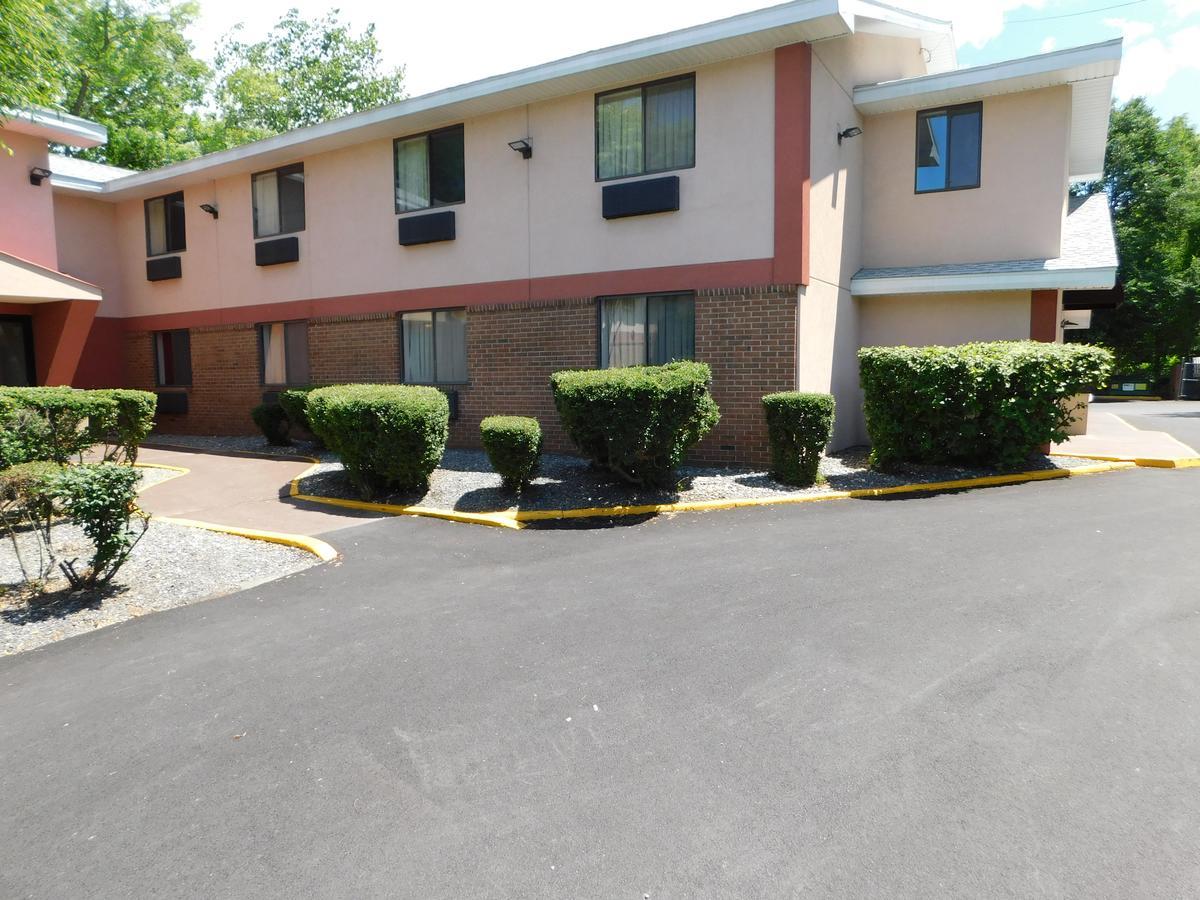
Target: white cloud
979, 21
1183, 9
1149, 64
1048, 44
1131, 31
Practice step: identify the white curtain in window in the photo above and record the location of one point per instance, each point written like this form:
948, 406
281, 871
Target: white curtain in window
156, 226
619, 134
417, 331
274, 354
450, 338
623, 332
412, 173
670, 126
266, 204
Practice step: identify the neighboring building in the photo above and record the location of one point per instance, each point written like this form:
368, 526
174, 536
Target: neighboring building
705, 193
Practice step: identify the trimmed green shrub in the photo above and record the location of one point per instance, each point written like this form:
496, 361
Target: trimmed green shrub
99, 498
637, 422
390, 437
127, 425
66, 413
294, 401
798, 426
989, 404
273, 422
513, 445
24, 433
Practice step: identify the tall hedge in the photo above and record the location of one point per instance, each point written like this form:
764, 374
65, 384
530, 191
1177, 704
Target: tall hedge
61, 423
390, 437
126, 424
989, 404
799, 426
637, 422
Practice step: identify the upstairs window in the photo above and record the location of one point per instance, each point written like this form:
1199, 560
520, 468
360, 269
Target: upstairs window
646, 129
284, 353
949, 148
434, 344
430, 170
647, 330
279, 201
165, 231
173, 358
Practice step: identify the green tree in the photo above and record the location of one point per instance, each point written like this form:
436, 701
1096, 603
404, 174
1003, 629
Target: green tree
131, 68
29, 52
302, 73
1152, 176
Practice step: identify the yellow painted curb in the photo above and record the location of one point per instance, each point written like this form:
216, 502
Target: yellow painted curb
178, 470
513, 518
316, 547
1146, 462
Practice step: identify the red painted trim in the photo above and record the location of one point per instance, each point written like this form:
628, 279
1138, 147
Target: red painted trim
793, 162
102, 364
738, 273
1043, 316
59, 332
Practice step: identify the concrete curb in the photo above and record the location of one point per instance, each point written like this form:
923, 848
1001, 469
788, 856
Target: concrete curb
517, 519
1146, 462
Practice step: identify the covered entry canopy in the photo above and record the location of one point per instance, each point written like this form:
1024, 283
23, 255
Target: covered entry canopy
22, 281
57, 311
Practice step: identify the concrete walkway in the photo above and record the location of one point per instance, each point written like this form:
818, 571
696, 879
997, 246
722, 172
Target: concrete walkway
1111, 435
241, 492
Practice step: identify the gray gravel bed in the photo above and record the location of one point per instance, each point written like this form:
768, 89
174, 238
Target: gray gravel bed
465, 482
152, 476
242, 443
172, 565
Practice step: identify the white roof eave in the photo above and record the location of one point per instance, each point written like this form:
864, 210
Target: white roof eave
1082, 279
51, 125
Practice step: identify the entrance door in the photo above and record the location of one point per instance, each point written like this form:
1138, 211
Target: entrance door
16, 351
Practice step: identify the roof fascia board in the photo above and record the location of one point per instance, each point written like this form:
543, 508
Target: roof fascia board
1047, 279
901, 18
1061, 65
51, 125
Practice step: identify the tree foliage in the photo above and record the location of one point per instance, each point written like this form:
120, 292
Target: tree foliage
1152, 176
129, 65
302, 73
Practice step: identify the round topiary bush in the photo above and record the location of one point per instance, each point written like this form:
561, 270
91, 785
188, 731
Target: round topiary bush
513, 445
272, 421
798, 426
637, 422
390, 437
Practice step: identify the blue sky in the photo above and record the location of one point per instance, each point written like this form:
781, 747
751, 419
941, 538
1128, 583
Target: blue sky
453, 41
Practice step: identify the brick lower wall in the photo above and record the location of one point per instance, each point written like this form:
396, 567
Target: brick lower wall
748, 336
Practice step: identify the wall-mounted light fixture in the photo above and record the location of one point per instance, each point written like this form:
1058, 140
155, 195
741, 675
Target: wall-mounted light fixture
852, 132
211, 210
523, 147
37, 175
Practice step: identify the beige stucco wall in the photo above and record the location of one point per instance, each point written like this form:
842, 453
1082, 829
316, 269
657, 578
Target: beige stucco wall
520, 219
26, 211
87, 245
1016, 213
927, 319
828, 327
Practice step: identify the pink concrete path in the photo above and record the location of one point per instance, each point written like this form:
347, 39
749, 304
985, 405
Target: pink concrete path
239, 491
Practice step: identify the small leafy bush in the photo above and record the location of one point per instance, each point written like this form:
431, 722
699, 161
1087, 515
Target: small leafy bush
125, 425
637, 422
99, 498
390, 437
64, 432
988, 404
27, 506
798, 426
513, 445
273, 422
